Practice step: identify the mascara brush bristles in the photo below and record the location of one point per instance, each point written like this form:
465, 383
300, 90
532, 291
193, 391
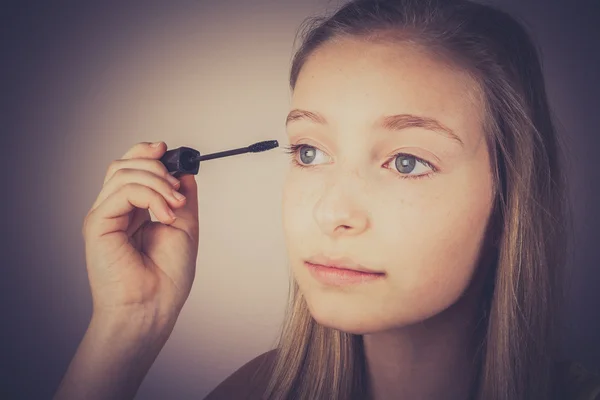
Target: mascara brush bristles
253, 148
263, 146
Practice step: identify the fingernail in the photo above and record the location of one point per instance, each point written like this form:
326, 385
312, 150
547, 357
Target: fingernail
155, 144
172, 180
178, 195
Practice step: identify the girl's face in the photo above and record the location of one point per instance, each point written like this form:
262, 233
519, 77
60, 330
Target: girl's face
408, 195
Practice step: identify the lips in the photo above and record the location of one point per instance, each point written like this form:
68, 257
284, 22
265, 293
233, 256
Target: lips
342, 263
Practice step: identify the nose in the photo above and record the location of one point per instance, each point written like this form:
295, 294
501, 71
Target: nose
338, 211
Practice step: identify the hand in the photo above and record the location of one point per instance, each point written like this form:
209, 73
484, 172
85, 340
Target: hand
135, 265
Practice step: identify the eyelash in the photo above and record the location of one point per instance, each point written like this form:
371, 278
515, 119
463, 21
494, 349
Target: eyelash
294, 148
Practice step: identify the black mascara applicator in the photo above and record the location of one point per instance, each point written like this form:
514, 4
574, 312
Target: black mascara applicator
185, 160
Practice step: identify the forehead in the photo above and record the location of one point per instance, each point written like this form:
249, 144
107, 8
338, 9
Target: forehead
356, 81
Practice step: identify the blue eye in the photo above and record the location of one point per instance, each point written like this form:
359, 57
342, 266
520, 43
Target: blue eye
405, 164
306, 153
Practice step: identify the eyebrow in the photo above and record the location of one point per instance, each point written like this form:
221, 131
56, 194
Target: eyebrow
390, 123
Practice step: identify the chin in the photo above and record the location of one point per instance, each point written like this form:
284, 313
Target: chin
348, 319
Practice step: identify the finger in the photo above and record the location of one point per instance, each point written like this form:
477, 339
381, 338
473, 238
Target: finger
165, 185
141, 156
112, 215
137, 218
187, 214
145, 150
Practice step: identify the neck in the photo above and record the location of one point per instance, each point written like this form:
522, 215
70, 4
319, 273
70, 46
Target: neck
433, 359
436, 358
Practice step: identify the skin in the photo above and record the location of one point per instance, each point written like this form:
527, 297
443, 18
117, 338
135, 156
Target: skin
425, 234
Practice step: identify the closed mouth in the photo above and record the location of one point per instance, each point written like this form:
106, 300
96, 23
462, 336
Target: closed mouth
346, 268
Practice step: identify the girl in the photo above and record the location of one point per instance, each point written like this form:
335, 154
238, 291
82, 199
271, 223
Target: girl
424, 217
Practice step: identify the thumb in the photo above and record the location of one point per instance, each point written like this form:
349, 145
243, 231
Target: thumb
187, 215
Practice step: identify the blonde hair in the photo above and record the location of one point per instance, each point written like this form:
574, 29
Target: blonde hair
519, 341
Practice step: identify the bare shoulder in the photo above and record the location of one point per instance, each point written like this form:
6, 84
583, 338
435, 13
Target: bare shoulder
248, 382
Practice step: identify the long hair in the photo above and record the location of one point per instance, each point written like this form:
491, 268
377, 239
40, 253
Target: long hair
519, 344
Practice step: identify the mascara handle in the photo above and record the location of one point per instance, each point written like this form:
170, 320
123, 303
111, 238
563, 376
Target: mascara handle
179, 161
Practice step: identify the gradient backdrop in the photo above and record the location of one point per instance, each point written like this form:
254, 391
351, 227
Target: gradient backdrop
81, 83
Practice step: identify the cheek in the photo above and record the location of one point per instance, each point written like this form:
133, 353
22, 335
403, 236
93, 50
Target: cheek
426, 235
297, 206
432, 245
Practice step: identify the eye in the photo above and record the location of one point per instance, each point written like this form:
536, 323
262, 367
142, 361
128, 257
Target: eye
307, 154
407, 165
411, 167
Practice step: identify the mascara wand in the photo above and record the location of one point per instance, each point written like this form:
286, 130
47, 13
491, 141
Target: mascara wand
185, 160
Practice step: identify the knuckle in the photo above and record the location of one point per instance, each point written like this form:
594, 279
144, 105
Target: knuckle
114, 165
142, 147
159, 197
129, 187
156, 180
158, 168
120, 172
137, 147
165, 184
